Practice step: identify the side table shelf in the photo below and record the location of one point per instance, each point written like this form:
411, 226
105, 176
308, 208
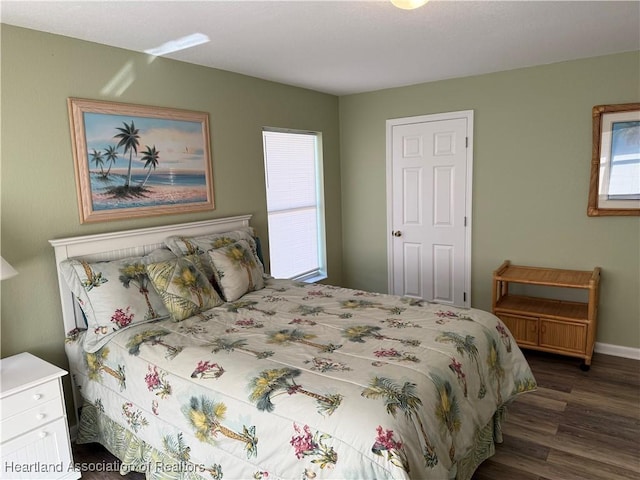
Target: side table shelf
557, 326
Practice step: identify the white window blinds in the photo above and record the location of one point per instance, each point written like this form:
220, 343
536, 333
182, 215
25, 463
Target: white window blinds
294, 204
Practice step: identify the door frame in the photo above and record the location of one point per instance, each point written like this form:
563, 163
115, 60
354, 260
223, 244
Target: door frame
390, 123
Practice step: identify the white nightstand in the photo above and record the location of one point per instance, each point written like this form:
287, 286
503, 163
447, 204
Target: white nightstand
34, 436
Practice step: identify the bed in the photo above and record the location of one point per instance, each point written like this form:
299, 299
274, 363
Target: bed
268, 378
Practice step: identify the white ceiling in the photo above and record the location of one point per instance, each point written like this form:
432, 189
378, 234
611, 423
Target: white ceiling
345, 47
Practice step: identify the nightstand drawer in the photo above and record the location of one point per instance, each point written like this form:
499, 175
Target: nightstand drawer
30, 398
43, 453
30, 419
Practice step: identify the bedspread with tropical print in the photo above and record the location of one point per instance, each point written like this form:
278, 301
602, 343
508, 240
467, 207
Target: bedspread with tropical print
303, 381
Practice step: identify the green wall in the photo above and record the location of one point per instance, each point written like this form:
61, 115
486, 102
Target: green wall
531, 169
38, 192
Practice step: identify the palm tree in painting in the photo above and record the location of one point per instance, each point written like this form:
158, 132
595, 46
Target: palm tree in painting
129, 140
96, 158
496, 371
206, 417
150, 159
447, 409
286, 335
111, 155
270, 381
96, 364
135, 273
227, 345
466, 346
402, 398
153, 336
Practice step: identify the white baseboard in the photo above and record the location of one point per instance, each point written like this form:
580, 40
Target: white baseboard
617, 350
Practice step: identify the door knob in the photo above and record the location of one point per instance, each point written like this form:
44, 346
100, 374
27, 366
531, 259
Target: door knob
397, 233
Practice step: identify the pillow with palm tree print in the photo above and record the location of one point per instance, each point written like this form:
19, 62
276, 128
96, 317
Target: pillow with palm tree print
113, 295
201, 244
237, 270
183, 287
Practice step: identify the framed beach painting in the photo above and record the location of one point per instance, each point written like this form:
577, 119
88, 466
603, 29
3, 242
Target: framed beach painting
614, 188
136, 161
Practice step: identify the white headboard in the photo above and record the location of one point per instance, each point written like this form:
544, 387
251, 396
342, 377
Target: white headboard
125, 243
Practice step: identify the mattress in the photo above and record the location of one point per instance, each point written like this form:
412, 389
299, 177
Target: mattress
303, 381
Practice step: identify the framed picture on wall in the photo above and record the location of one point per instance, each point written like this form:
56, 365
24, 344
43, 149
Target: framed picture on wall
614, 188
137, 161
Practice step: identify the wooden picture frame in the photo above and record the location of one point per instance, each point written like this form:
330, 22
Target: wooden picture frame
624, 201
136, 161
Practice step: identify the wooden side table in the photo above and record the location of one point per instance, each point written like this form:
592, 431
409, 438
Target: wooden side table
556, 326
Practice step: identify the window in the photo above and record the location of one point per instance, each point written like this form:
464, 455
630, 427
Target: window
295, 204
624, 172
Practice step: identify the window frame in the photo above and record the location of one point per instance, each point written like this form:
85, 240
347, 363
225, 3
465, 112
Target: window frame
599, 203
321, 272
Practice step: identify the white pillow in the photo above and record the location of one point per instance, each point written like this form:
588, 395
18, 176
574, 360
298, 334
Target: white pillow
114, 295
237, 269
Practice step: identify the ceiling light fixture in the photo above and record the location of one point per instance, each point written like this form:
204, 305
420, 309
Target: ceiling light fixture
178, 44
408, 4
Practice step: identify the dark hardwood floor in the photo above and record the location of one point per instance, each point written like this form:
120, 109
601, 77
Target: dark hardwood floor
576, 426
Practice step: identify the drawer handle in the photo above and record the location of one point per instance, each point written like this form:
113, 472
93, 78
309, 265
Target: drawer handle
40, 416
37, 396
43, 434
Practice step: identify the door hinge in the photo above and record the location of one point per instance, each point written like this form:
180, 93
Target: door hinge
466, 142
464, 297
465, 221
